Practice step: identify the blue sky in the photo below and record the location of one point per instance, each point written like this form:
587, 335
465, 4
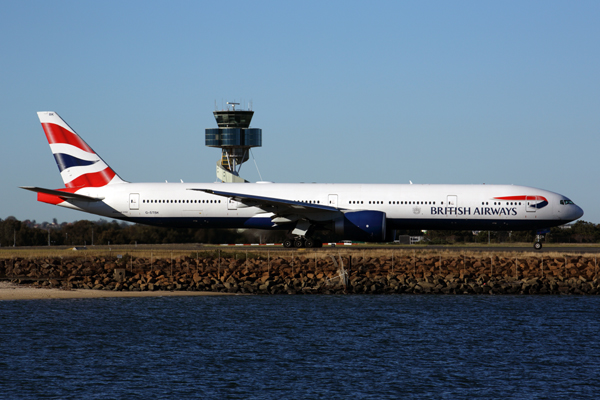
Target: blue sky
385, 92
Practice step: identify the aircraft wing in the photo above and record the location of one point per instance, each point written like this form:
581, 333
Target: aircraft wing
60, 193
279, 206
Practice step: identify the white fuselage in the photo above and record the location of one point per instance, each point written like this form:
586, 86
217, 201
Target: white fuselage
473, 207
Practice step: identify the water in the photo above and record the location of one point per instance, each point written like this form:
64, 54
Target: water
322, 347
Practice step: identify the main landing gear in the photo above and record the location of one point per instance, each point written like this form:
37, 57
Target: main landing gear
300, 242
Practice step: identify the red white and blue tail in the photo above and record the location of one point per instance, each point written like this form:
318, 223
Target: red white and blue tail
78, 164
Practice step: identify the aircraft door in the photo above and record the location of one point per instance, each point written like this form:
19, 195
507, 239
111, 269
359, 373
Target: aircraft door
134, 201
452, 201
231, 204
530, 203
333, 200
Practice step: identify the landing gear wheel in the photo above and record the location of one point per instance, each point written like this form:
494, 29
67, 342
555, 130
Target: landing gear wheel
298, 243
287, 243
537, 245
309, 243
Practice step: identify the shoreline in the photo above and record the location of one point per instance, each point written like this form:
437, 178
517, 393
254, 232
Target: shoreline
93, 277
11, 291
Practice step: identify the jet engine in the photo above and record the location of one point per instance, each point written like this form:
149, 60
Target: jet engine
368, 226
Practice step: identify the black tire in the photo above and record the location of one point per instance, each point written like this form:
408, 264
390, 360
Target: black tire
309, 243
537, 245
298, 243
287, 243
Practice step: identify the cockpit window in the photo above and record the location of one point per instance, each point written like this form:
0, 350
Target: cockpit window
567, 201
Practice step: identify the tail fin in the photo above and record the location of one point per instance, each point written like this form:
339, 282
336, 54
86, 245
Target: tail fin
78, 164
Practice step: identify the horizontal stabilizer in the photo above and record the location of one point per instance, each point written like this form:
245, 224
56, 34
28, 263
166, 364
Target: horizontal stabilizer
60, 193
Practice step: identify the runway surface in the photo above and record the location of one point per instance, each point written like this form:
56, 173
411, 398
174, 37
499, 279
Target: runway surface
546, 249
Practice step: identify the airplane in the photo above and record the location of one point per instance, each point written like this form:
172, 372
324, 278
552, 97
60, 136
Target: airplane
357, 212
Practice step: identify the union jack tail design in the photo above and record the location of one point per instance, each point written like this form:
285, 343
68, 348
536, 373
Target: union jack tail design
78, 164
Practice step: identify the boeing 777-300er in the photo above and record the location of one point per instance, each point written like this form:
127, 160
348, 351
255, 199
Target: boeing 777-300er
361, 212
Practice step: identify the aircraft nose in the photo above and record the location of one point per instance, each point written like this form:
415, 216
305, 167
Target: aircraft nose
578, 212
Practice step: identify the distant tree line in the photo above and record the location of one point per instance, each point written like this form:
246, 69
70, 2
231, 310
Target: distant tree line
579, 232
102, 232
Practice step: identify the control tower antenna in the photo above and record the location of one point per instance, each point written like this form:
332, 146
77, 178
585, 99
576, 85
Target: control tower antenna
235, 138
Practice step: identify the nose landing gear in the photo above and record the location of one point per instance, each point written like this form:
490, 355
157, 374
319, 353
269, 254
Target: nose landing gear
538, 241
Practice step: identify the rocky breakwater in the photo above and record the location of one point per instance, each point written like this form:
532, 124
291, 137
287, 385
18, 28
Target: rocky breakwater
298, 274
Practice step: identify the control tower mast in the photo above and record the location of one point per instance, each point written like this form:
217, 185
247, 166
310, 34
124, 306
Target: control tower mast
235, 138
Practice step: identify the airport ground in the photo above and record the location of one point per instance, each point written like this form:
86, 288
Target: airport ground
167, 250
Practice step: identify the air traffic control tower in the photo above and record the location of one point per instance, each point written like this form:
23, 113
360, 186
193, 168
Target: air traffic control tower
235, 138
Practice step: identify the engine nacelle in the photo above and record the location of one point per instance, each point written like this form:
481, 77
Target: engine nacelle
368, 226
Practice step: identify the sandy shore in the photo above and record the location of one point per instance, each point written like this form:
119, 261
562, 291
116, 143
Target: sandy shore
10, 291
